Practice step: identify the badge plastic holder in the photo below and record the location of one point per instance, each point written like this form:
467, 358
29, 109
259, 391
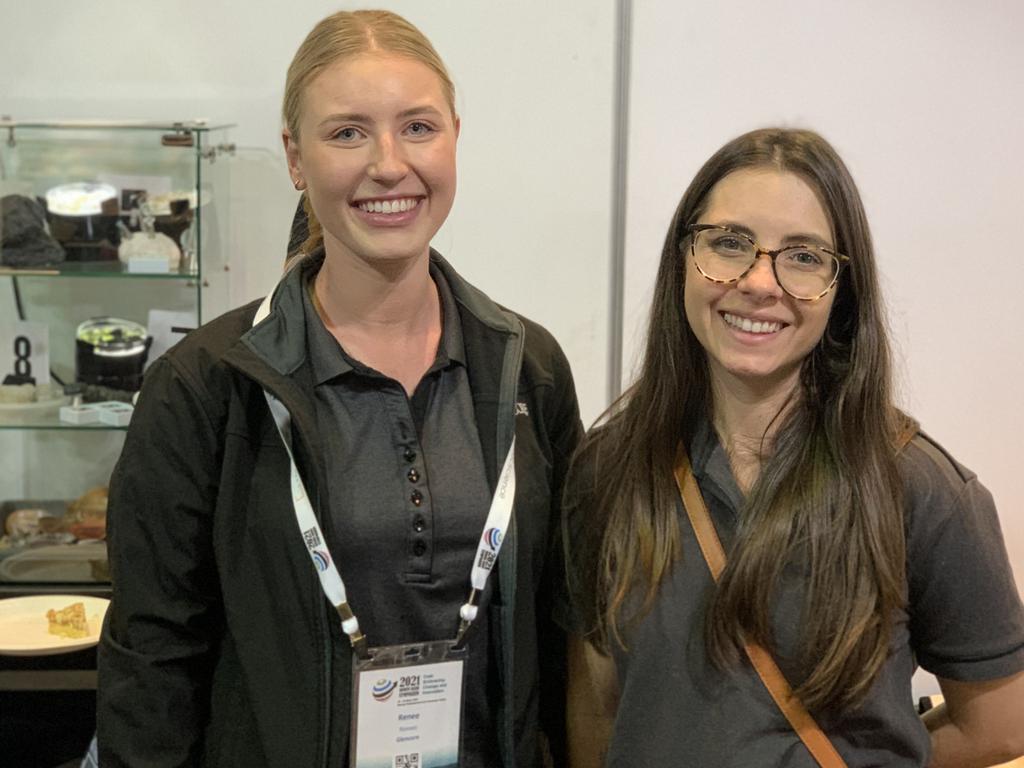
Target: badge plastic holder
407, 706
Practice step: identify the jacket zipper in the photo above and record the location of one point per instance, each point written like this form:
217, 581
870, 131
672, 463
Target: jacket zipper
325, 637
325, 632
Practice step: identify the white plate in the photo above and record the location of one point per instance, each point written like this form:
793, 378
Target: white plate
24, 627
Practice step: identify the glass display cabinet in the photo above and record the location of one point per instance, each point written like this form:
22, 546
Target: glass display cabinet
111, 248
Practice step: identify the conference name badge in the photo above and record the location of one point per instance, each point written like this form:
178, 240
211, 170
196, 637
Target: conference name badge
407, 706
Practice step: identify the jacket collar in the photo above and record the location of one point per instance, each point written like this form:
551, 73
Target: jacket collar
475, 301
279, 338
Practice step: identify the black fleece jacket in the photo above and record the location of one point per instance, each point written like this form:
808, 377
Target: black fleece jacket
219, 647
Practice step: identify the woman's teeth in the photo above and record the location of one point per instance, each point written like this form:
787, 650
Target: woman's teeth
389, 206
751, 326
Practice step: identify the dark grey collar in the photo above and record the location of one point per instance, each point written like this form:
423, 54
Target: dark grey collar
280, 339
711, 466
328, 359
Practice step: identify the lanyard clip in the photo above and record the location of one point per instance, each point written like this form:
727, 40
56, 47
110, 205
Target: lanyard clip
467, 615
350, 625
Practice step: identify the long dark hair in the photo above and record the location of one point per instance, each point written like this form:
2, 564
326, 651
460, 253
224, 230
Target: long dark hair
828, 492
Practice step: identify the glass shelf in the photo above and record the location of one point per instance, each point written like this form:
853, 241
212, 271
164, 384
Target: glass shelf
51, 422
182, 170
108, 269
79, 126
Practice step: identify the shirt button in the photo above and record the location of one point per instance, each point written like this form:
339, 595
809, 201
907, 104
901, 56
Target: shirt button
419, 524
409, 454
413, 475
419, 548
416, 497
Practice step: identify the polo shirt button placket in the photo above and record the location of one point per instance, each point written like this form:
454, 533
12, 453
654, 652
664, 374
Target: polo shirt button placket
419, 522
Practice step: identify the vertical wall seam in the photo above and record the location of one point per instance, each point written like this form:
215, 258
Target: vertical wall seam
620, 142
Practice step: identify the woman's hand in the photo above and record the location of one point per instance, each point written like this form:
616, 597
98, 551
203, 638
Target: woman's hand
979, 724
592, 700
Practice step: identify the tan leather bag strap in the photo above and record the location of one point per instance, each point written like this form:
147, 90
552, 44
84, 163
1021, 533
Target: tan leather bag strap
817, 743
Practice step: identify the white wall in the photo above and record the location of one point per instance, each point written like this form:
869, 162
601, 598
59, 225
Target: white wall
531, 221
923, 99
925, 102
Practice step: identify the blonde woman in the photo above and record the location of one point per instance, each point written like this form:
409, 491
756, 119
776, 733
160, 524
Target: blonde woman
330, 526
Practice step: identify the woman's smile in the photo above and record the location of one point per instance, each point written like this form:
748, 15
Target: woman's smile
754, 326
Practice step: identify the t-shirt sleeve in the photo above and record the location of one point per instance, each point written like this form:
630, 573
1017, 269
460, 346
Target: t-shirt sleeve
966, 617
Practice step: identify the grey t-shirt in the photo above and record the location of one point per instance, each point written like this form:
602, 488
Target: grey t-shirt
408, 498
964, 622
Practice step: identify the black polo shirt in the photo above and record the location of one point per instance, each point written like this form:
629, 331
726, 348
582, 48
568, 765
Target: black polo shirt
408, 500
964, 621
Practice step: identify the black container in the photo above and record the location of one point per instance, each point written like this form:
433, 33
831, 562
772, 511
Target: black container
111, 352
87, 232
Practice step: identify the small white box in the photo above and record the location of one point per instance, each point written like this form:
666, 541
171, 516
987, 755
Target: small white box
114, 413
149, 264
80, 414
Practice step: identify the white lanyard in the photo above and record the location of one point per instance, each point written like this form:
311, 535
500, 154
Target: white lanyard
487, 549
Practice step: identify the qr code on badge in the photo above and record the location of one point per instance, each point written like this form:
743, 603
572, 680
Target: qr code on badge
412, 760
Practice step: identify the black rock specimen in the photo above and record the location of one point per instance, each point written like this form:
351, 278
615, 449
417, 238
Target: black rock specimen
24, 240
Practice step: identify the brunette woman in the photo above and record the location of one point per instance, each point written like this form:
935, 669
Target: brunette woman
857, 548
315, 488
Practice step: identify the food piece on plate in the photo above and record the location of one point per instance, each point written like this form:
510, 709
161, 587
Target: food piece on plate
91, 529
21, 523
87, 515
53, 525
69, 621
90, 505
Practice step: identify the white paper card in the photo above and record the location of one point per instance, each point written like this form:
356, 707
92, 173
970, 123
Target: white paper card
25, 349
409, 715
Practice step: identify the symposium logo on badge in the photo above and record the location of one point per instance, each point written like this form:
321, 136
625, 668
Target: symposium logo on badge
383, 689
